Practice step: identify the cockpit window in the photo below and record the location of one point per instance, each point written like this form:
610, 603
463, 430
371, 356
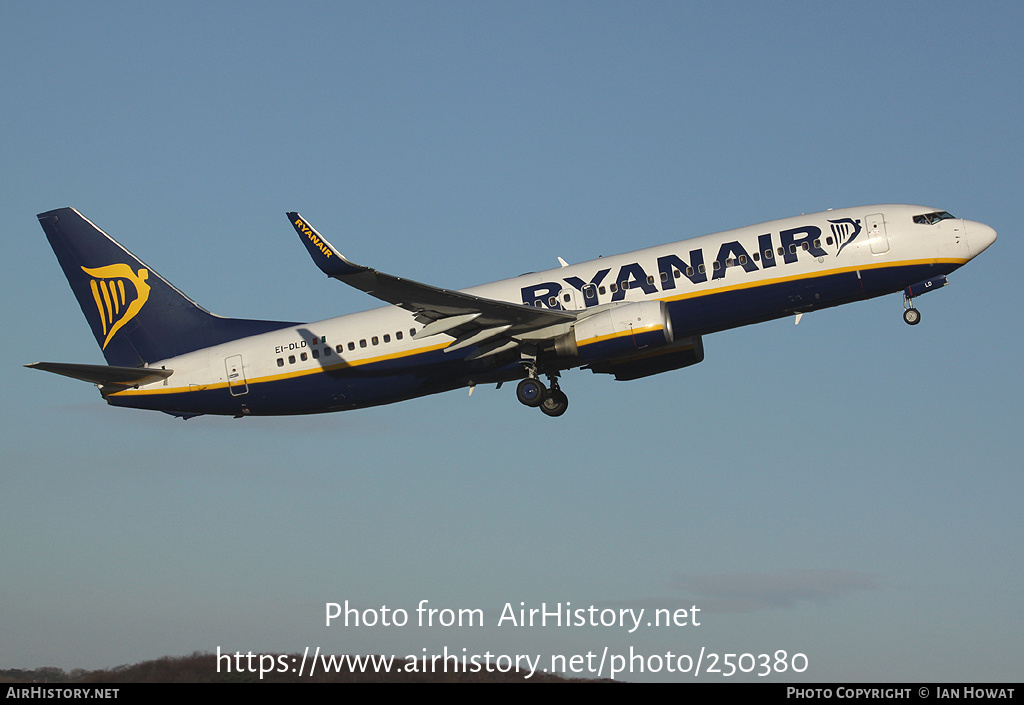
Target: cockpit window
932, 218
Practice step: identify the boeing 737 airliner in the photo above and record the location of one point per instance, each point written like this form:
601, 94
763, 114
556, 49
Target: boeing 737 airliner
630, 316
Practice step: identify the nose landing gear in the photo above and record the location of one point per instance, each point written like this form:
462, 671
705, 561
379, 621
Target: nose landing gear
910, 314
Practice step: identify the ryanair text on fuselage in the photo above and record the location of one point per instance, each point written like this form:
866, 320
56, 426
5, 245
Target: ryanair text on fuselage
731, 255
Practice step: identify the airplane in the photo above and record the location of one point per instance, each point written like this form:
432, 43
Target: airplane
630, 316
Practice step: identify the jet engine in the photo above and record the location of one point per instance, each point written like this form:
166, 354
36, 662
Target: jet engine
629, 341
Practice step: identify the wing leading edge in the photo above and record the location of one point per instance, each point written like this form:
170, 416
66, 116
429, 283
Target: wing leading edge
495, 326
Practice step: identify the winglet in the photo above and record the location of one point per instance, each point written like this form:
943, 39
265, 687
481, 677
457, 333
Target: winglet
323, 253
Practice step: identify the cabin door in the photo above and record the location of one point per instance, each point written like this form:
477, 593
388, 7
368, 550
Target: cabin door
877, 235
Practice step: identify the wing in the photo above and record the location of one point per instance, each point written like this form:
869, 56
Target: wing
493, 325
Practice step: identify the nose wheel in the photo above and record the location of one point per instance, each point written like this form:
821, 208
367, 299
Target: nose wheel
532, 392
910, 314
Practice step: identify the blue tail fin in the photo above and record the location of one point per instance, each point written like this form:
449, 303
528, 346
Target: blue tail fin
137, 316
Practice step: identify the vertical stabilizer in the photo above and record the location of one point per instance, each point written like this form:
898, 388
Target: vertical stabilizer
137, 316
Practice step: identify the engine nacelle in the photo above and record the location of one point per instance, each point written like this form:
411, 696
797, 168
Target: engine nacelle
618, 332
682, 353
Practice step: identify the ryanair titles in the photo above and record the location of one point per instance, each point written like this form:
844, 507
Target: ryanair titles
313, 237
731, 255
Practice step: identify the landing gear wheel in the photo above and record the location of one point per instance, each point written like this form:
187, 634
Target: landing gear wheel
912, 316
555, 403
531, 392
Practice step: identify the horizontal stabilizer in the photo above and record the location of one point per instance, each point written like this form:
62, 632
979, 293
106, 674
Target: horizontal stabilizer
105, 375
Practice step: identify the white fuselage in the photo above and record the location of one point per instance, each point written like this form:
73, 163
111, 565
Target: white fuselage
709, 283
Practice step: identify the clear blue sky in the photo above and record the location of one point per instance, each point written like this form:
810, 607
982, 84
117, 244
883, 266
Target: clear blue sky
849, 488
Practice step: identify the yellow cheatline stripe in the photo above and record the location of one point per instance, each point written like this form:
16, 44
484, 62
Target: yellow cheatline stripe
284, 375
811, 275
621, 334
441, 346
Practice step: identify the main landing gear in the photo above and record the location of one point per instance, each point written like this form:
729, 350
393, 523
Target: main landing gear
532, 392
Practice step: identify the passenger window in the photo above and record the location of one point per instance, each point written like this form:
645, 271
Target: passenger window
316, 354
756, 256
304, 357
339, 348
351, 346
280, 362
650, 279
805, 247
362, 343
291, 359
781, 252
613, 288
701, 268
374, 340
716, 265
792, 248
327, 352
398, 335
600, 290
664, 275
768, 254
689, 271
387, 338
829, 239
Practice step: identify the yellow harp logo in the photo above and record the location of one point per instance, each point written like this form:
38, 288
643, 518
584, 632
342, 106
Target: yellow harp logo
115, 303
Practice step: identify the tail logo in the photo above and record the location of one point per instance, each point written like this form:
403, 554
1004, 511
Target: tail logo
115, 303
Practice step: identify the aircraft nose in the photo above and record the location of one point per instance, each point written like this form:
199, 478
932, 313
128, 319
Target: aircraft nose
979, 237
